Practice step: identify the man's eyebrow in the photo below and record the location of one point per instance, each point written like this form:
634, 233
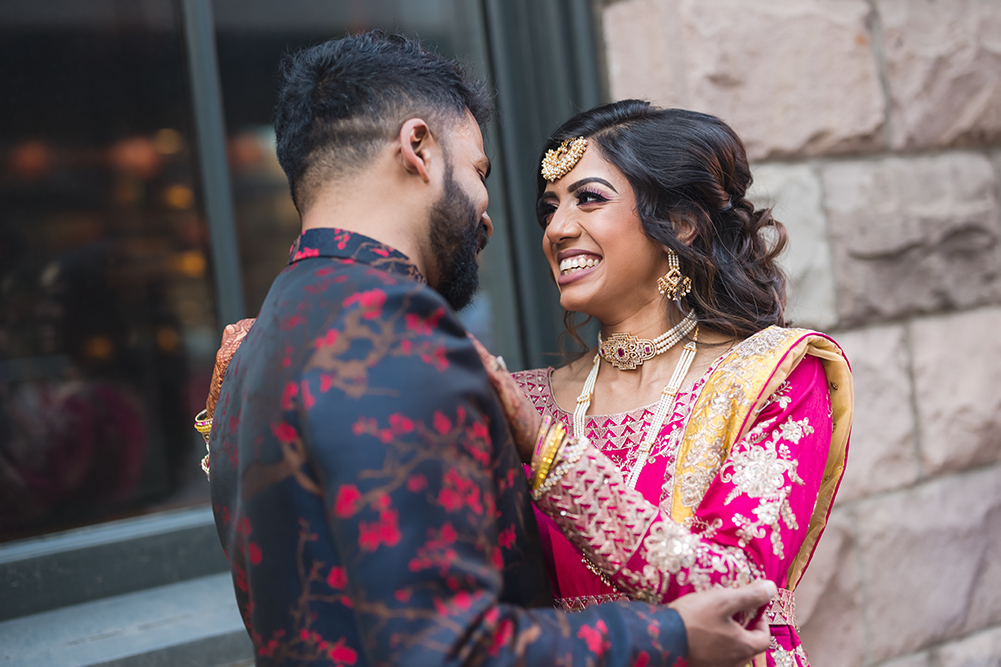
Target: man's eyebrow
590, 179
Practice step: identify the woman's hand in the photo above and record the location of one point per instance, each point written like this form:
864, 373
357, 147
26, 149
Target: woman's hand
232, 336
521, 415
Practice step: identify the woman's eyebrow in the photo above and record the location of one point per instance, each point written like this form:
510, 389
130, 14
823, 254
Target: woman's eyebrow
590, 179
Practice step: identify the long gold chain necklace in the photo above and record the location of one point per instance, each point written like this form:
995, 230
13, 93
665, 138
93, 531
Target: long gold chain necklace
665, 404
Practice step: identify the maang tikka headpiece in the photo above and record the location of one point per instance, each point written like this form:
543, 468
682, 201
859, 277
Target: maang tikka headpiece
559, 161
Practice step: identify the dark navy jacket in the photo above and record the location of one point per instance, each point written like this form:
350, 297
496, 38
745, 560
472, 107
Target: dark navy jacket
368, 494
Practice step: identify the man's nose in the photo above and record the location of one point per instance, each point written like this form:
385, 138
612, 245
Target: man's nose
488, 223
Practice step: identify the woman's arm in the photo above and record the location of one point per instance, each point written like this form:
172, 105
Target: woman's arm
750, 523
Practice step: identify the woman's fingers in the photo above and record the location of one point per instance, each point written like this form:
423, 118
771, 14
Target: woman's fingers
521, 415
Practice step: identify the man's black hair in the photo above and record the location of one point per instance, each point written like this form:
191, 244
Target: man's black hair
341, 100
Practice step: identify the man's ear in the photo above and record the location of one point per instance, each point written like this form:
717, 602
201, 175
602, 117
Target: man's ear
416, 148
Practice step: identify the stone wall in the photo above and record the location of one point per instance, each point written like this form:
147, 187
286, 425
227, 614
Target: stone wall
875, 129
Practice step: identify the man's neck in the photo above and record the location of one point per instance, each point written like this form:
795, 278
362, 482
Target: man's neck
365, 206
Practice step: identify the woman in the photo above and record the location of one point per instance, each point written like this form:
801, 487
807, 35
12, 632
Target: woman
699, 443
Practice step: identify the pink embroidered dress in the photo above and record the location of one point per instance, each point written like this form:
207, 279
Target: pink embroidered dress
751, 522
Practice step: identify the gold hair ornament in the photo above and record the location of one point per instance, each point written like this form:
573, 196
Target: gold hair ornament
559, 161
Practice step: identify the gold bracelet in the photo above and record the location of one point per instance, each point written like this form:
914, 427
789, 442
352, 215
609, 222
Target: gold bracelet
541, 447
203, 424
553, 442
569, 455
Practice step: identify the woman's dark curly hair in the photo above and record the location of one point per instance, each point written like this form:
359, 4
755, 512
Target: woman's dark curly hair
691, 167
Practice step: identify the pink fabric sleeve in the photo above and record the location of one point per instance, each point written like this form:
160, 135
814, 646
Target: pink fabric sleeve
750, 523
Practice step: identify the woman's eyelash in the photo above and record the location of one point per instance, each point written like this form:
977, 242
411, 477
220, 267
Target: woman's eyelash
585, 196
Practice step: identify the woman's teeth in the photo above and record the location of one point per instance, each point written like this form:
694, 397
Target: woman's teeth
571, 264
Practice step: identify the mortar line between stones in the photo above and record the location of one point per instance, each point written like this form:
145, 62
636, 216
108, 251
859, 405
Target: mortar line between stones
987, 150
863, 593
875, 25
913, 399
852, 505
932, 650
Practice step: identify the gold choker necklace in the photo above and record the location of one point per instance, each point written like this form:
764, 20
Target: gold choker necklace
626, 352
664, 405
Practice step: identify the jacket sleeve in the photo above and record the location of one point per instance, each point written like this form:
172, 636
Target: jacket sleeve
407, 444
749, 525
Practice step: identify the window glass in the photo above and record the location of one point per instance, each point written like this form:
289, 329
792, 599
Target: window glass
107, 312
252, 36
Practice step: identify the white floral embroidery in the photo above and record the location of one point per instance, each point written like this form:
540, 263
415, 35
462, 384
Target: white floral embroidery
780, 396
763, 467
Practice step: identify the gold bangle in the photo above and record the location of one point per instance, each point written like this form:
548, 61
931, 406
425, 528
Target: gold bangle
568, 457
553, 445
203, 424
545, 440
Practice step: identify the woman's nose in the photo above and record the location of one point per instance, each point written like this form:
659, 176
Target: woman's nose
562, 226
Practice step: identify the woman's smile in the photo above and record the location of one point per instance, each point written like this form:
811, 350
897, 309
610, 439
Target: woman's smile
574, 264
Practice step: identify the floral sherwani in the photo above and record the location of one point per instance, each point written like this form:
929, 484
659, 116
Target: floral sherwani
367, 492
750, 519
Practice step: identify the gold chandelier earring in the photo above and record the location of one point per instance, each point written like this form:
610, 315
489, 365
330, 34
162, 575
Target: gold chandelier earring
673, 284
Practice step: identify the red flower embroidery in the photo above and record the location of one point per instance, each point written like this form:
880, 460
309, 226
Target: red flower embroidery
337, 578
442, 424
290, 392
450, 499
423, 326
595, 637
506, 537
417, 324
417, 483
448, 534
304, 253
254, 553
503, 635
400, 424
462, 600
240, 577
384, 531
371, 302
329, 339
285, 432
308, 401
342, 654
293, 322
346, 503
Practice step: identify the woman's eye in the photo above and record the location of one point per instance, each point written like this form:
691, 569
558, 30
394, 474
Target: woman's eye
545, 212
590, 197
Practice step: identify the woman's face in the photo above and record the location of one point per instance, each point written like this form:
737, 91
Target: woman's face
604, 265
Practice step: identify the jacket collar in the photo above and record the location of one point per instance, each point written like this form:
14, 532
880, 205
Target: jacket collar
352, 246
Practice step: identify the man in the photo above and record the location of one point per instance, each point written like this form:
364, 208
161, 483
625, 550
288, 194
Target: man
364, 482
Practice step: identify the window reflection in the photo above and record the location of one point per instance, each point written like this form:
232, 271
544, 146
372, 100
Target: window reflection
107, 324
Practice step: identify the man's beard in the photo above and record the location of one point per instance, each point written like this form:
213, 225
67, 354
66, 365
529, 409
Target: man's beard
457, 237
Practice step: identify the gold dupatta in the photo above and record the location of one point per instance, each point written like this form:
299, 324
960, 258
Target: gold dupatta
728, 403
